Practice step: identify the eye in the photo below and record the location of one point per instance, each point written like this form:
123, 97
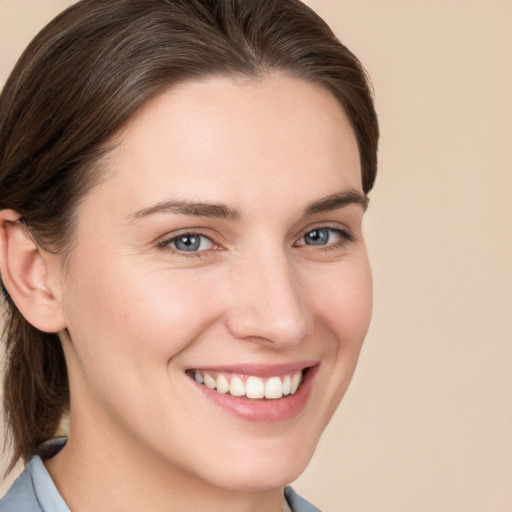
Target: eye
324, 237
189, 242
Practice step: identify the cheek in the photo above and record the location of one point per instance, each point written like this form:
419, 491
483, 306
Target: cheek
344, 301
129, 330
356, 302
345, 308
135, 319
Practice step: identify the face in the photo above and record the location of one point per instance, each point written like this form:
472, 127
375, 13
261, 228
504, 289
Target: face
218, 290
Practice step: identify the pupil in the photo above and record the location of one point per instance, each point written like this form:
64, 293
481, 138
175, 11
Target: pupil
317, 237
188, 243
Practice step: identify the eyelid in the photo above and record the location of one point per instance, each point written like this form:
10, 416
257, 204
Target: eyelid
342, 228
163, 243
344, 233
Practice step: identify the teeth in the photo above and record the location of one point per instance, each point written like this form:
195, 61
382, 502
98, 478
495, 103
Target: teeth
254, 387
222, 384
274, 388
287, 385
237, 387
295, 382
210, 381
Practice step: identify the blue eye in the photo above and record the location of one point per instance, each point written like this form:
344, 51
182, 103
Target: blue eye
324, 236
189, 242
317, 237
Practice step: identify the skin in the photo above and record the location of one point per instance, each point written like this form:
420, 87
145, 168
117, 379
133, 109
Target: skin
138, 313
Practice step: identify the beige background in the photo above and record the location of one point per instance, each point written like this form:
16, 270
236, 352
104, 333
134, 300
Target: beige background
427, 423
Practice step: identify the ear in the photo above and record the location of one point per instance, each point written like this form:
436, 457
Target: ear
26, 273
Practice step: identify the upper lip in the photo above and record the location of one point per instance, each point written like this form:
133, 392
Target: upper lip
258, 370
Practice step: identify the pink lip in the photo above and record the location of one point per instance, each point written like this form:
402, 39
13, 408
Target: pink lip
261, 411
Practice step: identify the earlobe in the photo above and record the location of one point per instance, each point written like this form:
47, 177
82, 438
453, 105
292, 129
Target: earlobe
24, 267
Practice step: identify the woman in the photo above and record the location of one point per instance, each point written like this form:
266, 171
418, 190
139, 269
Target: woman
182, 186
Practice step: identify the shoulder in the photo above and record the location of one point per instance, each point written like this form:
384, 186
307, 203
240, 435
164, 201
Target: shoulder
34, 490
297, 503
21, 497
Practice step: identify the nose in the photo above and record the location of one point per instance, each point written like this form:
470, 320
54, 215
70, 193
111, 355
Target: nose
268, 305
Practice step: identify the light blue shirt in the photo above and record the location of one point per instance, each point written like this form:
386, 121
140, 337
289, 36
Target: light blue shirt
34, 491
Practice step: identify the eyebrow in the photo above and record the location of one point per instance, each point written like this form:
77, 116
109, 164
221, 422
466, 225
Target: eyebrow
222, 211
337, 201
199, 209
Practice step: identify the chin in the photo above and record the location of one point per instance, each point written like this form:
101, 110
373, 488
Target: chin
264, 470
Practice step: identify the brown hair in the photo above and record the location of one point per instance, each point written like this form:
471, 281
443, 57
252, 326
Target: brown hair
80, 80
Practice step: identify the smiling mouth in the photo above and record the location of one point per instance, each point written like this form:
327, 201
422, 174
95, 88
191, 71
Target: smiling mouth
250, 386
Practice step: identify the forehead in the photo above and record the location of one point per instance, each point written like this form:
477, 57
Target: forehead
230, 138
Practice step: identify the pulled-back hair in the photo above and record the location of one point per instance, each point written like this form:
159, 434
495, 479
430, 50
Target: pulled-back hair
79, 82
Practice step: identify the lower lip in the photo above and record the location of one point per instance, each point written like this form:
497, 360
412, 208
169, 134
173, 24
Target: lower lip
262, 410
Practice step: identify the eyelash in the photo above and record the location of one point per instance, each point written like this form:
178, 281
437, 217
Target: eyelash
165, 244
345, 238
